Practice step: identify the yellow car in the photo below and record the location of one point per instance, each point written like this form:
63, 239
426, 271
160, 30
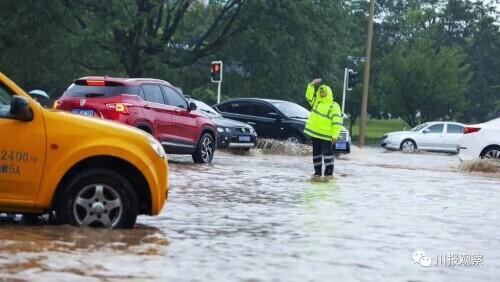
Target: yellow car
86, 171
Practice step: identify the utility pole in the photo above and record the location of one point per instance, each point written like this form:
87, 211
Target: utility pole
366, 79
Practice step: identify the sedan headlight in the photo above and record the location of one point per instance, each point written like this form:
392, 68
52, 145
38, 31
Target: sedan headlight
223, 129
157, 147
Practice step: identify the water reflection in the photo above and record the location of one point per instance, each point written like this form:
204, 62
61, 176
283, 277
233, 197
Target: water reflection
258, 217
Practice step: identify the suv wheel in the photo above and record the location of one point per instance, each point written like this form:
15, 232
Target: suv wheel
205, 151
98, 198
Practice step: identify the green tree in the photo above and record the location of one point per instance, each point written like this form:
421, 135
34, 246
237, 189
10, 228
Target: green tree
421, 83
141, 34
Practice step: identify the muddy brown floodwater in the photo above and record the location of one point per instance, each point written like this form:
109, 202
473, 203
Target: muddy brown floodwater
260, 218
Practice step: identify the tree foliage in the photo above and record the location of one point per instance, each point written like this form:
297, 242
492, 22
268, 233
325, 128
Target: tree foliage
432, 59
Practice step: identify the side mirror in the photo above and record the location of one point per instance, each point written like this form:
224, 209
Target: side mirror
20, 108
425, 131
192, 106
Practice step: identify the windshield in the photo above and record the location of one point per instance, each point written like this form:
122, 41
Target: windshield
292, 110
419, 127
76, 90
205, 108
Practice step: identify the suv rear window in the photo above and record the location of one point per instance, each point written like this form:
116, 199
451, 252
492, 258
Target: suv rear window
76, 90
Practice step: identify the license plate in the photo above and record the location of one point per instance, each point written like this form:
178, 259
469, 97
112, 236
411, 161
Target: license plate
244, 138
88, 113
341, 146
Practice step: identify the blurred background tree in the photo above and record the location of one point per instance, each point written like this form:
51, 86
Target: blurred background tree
432, 59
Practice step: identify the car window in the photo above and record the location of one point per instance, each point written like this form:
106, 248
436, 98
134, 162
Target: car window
173, 98
292, 110
141, 94
79, 89
418, 127
262, 110
242, 108
436, 128
5, 98
455, 128
152, 93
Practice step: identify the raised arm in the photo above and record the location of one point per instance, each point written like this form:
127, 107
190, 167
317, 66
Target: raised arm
310, 93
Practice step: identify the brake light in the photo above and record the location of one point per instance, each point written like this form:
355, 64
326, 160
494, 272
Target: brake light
118, 107
469, 129
96, 83
57, 104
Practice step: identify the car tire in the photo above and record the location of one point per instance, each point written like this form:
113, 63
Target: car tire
98, 198
294, 139
492, 152
205, 151
408, 146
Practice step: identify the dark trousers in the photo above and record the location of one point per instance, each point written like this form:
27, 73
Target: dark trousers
322, 150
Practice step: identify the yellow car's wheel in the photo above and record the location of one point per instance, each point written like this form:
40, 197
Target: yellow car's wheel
98, 198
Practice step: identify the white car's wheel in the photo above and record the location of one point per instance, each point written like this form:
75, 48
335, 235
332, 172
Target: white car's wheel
492, 153
408, 146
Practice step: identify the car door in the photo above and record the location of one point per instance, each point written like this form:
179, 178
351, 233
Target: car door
267, 120
431, 137
452, 134
22, 152
157, 112
184, 121
238, 110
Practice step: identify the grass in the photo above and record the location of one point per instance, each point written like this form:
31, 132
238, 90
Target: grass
375, 129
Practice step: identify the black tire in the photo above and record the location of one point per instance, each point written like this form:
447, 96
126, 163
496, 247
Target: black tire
294, 138
408, 146
492, 152
205, 151
145, 128
115, 191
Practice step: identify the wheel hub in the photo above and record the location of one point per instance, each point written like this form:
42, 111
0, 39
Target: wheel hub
97, 208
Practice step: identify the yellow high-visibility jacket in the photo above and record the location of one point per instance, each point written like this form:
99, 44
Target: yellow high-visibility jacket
325, 120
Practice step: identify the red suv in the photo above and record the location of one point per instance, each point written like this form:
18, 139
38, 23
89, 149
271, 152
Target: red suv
152, 105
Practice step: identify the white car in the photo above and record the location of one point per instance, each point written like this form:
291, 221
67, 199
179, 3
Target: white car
431, 136
480, 141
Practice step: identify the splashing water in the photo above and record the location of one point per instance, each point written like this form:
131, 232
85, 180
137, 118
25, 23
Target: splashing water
481, 165
271, 146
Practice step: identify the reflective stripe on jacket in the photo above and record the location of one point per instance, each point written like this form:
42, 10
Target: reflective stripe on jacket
325, 120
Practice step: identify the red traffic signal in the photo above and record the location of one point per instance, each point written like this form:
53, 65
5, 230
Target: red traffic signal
216, 71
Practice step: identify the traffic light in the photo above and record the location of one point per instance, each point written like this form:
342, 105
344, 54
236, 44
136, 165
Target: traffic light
352, 79
216, 73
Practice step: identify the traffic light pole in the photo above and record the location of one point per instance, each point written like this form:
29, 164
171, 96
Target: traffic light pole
344, 91
218, 91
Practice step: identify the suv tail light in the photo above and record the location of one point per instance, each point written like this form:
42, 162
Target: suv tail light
57, 104
469, 129
118, 107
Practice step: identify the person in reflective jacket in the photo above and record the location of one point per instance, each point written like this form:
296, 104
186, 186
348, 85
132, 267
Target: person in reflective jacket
323, 125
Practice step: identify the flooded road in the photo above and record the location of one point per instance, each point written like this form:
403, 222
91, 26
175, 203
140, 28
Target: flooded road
260, 218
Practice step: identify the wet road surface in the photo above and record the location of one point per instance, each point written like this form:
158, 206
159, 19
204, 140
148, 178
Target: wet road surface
260, 218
